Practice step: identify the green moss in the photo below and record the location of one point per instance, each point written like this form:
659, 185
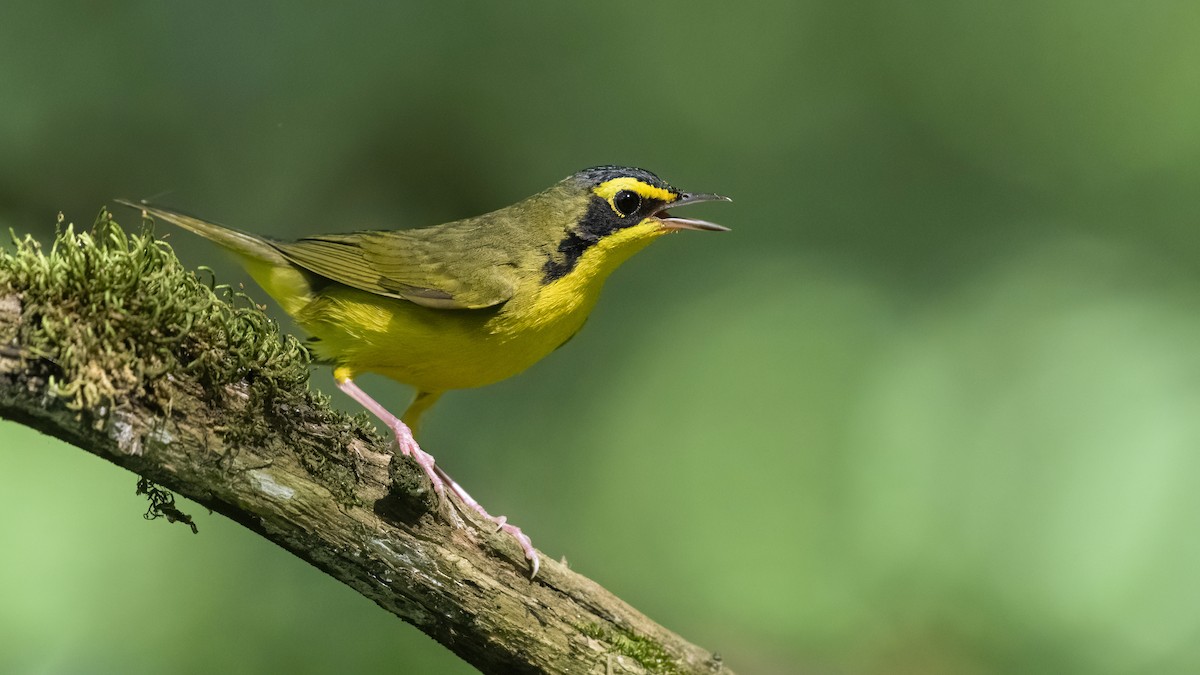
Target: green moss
114, 317
637, 647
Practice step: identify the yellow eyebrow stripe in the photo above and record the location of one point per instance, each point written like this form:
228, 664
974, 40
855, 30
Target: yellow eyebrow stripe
609, 189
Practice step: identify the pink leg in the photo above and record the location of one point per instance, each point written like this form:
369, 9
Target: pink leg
500, 521
408, 445
437, 476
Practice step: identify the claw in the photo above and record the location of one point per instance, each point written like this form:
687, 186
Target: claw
501, 522
409, 448
526, 545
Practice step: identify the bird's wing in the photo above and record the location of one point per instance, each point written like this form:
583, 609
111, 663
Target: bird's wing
415, 265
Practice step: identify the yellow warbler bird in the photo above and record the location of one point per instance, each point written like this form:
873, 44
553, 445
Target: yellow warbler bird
462, 304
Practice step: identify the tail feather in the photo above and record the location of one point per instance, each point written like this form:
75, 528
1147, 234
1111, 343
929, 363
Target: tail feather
241, 243
291, 286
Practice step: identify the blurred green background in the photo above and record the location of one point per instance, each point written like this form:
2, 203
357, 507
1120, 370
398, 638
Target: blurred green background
930, 408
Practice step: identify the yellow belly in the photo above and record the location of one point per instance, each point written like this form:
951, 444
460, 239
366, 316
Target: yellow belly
437, 350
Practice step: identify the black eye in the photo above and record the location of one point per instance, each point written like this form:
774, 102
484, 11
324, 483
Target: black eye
627, 201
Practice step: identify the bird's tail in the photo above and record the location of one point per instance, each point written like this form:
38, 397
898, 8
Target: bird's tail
290, 285
242, 243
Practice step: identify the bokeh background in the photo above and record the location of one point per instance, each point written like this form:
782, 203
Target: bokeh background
931, 407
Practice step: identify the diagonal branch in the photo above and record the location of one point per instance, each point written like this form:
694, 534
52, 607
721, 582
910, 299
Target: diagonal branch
107, 343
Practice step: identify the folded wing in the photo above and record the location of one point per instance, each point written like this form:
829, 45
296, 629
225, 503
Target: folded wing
443, 272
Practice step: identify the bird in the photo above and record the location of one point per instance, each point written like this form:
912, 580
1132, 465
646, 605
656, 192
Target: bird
462, 304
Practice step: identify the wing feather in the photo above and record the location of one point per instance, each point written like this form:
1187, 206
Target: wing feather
427, 267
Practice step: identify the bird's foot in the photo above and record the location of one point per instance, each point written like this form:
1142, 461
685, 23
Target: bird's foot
404, 436
502, 524
515, 532
409, 448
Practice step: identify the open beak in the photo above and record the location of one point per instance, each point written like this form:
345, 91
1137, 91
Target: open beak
670, 222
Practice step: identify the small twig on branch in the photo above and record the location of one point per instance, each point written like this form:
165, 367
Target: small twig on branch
109, 344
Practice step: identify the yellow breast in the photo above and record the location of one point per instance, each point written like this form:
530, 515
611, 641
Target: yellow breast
436, 350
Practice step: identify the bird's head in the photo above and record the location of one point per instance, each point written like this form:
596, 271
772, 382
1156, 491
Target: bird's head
624, 208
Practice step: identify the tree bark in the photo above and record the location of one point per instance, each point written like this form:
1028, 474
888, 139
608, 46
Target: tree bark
325, 488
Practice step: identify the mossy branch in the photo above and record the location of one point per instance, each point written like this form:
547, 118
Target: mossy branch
108, 343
